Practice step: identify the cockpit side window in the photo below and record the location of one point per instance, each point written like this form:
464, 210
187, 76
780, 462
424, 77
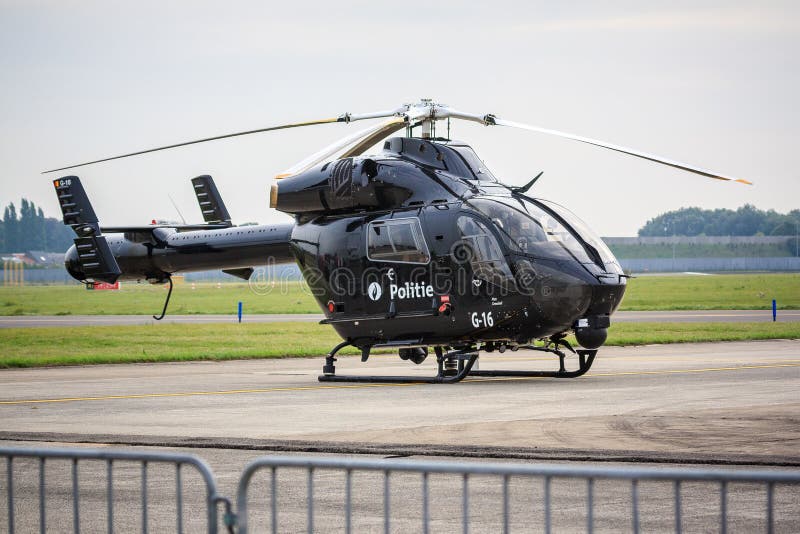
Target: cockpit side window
475, 164
479, 247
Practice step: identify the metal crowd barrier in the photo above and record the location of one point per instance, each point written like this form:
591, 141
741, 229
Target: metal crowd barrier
504, 472
678, 482
212, 498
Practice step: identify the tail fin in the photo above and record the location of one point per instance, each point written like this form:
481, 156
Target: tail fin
214, 210
75, 206
95, 259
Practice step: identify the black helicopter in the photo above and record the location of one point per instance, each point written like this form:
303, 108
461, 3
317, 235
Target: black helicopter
421, 247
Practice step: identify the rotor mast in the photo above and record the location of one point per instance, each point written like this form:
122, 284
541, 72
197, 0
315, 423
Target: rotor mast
427, 123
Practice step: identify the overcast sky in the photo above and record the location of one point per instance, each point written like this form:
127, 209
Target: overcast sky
714, 84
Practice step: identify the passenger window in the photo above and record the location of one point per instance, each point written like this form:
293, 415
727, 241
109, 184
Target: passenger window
397, 240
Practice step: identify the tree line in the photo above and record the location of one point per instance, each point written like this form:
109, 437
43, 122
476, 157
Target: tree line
745, 221
29, 229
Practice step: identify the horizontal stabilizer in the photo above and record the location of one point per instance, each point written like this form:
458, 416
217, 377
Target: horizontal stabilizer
244, 273
151, 227
96, 260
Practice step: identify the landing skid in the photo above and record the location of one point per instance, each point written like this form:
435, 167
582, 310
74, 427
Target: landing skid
585, 361
455, 366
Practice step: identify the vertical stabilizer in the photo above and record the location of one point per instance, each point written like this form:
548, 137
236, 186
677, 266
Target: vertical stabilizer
211, 205
94, 257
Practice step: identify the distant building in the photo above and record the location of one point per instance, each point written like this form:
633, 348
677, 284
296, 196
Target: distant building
36, 258
22, 257
45, 259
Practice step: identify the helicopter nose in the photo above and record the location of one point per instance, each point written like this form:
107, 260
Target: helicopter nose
72, 264
607, 296
591, 331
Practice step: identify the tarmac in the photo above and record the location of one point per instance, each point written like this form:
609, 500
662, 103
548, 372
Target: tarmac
711, 405
716, 399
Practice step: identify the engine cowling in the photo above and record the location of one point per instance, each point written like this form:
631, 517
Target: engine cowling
340, 185
406, 173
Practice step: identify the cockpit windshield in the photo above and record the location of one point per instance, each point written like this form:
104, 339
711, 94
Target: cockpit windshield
474, 163
529, 229
545, 229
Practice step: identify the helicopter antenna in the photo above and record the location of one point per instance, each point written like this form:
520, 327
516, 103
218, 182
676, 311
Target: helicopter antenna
524, 189
174, 205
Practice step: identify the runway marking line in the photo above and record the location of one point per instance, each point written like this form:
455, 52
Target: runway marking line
671, 315
200, 393
611, 358
362, 386
711, 369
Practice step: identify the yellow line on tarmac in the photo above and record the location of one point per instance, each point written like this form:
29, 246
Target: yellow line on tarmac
682, 359
200, 393
645, 359
642, 373
708, 370
660, 315
361, 386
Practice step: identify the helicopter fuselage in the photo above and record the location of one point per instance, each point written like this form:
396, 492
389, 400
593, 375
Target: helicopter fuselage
422, 246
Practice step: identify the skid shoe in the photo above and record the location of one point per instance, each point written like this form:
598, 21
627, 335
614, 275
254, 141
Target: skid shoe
585, 361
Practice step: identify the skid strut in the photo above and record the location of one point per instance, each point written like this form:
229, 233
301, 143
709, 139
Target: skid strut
456, 365
451, 367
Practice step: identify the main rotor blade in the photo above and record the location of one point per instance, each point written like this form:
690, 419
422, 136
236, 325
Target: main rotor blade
267, 129
350, 146
631, 152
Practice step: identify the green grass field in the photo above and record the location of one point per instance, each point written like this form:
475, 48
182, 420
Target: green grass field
713, 292
162, 342
135, 299
25, 347
34, 347
727, 291
715, 250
